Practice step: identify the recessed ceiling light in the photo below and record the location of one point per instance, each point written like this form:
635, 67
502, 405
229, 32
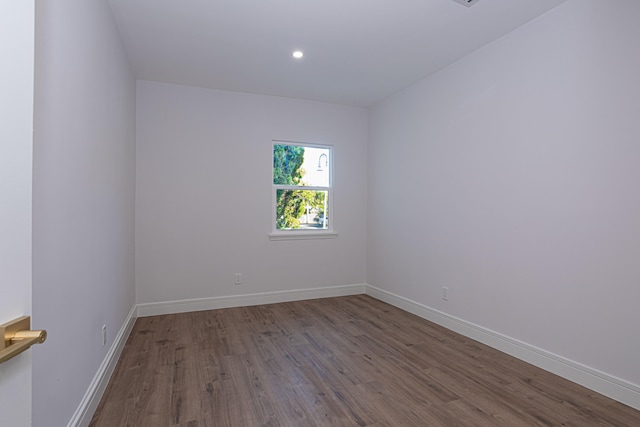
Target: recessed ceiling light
298, 54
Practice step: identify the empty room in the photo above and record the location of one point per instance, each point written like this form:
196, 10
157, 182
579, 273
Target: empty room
335, 213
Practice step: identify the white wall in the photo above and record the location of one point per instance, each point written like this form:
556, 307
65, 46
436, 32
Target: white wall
83, 219
512, 178
203, 201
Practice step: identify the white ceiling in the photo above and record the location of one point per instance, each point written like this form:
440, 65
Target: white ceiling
356, 51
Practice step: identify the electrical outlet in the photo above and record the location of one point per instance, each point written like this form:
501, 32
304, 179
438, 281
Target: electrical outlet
104, 335
237, 279
445, 293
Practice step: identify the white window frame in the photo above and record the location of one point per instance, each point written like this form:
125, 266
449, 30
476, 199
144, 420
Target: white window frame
304, 233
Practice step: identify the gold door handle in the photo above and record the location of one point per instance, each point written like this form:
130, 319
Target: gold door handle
18, 337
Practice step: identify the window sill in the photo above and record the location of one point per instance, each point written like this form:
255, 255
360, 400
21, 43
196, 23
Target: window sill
301, 235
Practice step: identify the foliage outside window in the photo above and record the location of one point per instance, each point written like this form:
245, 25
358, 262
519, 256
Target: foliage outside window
301, 186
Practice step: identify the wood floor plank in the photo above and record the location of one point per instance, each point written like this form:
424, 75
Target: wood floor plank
348, 361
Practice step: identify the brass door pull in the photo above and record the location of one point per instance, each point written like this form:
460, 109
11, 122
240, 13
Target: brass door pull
18, 337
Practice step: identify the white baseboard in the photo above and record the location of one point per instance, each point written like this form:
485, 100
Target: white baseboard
183, 306
603, 383
89, 404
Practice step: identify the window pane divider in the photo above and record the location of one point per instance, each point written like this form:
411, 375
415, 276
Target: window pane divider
300, 187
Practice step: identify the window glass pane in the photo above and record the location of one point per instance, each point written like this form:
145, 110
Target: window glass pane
287, 161
316, 167
301, 209
301, 166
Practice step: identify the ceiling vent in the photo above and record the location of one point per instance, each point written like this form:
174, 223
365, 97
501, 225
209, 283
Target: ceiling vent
467, 3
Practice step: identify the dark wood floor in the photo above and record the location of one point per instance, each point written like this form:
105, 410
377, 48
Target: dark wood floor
348, 361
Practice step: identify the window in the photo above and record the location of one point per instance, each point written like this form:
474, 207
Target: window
302, 192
